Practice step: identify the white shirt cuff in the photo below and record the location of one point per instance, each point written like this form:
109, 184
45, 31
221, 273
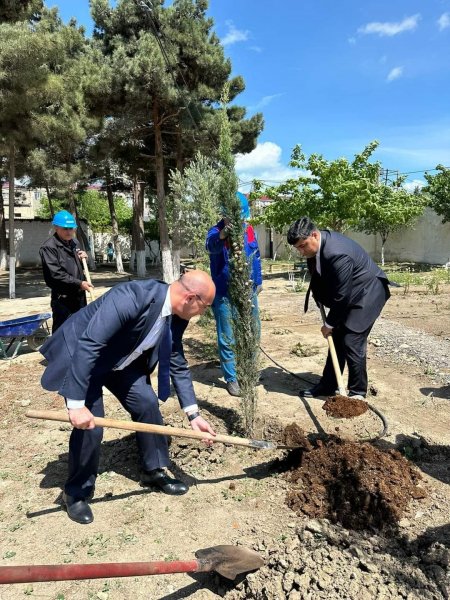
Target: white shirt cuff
191, 408
74, 403
329, 326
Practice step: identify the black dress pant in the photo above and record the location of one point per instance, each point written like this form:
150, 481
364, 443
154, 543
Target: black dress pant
63, 307
131, 388
351, 349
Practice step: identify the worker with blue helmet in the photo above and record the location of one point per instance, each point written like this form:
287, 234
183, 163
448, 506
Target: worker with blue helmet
217, 245
64, 219
61, 258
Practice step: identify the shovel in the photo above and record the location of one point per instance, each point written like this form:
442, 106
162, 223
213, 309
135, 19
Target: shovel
162, 430
334, 358
88, 278
228, 561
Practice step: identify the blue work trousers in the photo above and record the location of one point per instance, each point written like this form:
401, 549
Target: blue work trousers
221, 308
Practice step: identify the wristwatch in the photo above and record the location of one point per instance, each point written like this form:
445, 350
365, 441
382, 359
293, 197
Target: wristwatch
193, 415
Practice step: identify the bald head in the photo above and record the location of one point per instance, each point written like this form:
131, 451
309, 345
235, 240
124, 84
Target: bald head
192, 294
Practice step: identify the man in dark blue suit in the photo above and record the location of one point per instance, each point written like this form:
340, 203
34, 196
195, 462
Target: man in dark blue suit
116, 342
346, 280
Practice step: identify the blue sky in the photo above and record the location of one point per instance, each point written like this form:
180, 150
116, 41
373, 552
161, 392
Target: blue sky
333, 75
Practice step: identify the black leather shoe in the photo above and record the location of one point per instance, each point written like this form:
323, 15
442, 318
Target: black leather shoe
316, 391
77, 509
159, 480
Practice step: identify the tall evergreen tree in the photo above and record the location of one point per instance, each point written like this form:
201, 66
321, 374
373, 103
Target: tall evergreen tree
24, 53
240, 287
168, 70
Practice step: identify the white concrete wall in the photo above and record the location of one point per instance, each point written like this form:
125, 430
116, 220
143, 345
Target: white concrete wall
101, 241
427, 242
29, 236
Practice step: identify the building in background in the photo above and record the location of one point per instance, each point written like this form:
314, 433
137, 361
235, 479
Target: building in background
26, 201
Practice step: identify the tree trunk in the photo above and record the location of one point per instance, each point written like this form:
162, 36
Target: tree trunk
166, 257
383, 242
176, 233
138, 242
114, 224
3, 239
12, 245
82, 237
50, 203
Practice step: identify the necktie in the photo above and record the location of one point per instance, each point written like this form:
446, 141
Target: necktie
311, 262
164, 352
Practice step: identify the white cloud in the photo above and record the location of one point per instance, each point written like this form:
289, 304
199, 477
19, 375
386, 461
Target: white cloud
390, 29
444, 21
394, 73
352, 40
265, 100
234, 35
256, 48
264, 162
410, 186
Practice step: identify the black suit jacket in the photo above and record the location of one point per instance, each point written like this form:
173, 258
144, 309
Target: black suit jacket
99, 337
353, 287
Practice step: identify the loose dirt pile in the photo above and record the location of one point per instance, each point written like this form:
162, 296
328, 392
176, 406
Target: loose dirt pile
322, 560
354, 484
342, 407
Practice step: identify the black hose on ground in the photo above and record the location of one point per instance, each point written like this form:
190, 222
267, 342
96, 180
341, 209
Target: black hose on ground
380, 415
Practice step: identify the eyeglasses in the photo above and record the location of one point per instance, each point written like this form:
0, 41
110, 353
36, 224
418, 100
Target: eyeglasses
199, 298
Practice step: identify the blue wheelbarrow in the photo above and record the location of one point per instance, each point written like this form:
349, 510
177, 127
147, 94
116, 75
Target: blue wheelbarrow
32, 329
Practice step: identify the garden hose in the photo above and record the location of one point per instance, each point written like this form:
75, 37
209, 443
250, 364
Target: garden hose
376, 412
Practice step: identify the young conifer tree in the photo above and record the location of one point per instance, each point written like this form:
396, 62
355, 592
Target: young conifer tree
240, 289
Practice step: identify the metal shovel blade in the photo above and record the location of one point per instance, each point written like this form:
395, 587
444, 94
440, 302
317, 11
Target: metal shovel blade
229, 561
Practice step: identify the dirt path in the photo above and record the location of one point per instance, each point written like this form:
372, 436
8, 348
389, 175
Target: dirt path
237, 495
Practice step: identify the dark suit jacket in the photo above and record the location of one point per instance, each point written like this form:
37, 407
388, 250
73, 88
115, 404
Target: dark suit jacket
99, 337
350, 284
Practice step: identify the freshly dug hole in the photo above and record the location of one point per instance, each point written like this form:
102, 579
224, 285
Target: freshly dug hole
342, 407
354, 484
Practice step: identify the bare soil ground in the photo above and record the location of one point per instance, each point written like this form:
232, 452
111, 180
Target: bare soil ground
241, 496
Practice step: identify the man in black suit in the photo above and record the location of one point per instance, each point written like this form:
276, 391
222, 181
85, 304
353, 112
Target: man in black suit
346, 280
116, 342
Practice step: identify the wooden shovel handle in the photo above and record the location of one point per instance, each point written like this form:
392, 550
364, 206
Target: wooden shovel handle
88, 277
149, 428
334, 358
30, 573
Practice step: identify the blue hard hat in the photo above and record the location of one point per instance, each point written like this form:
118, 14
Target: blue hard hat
245, 208
63, 218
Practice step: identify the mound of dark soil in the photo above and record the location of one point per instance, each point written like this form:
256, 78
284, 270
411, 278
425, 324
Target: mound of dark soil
353, 483
293, 435
342, 407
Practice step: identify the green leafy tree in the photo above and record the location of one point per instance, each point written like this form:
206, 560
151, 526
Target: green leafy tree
20, 10
332, 193
26, 48
240, 288
194, 198
391, 209
438, 189
168, 72
93, 207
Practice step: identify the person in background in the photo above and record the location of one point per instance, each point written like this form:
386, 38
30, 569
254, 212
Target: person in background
217, 245
116, 342
346, 280
63, 272
109, 252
